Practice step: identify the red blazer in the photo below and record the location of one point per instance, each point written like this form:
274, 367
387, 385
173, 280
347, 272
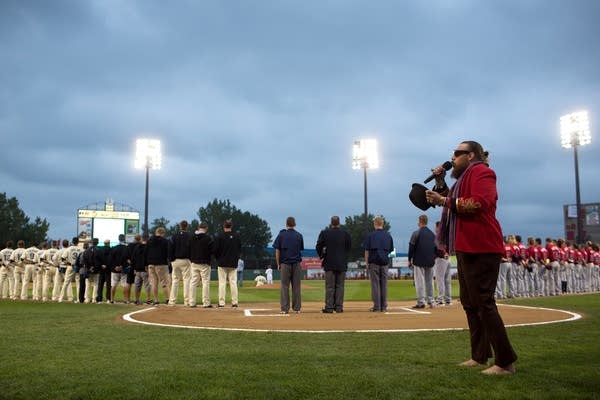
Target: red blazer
477, 229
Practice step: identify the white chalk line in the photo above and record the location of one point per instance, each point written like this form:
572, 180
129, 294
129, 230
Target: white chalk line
129, 318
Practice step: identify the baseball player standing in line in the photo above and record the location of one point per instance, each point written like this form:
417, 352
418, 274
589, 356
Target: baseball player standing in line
228, 248
542, 266
59, 276
69, 257
442, 275
201, 248
49, 267
180, 262
19, 270
119, 269
31, 260
7, 277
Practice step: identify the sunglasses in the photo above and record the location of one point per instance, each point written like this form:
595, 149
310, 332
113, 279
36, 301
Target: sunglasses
458, 153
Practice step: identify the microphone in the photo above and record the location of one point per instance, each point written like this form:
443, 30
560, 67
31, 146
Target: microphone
447, 165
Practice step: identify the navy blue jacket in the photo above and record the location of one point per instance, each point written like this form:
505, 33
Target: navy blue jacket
421, 248
289, 243
379, 244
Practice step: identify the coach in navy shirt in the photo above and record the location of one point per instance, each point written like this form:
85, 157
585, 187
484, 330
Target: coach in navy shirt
288, 246
378, 245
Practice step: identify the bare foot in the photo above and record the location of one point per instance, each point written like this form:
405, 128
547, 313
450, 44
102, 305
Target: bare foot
496, 370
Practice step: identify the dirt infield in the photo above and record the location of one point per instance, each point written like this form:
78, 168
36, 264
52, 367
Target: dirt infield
400, 317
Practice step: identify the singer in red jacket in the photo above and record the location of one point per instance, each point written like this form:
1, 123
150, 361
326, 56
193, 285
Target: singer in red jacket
470, 230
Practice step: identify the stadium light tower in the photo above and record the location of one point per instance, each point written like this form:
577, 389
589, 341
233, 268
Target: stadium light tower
575, 132
364, 155
148, 156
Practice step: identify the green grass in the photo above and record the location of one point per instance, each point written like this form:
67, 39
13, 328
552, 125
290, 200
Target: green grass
80, 351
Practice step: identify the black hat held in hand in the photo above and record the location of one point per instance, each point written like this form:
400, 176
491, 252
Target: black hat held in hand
417, 196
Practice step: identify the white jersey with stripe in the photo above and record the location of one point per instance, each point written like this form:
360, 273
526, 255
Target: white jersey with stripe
31, 255
5, 256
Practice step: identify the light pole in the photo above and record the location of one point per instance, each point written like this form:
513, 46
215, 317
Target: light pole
148, 156
575, 132
364, 155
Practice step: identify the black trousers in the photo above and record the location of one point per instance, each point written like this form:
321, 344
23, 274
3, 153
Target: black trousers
334, 290
103, 279
478, 275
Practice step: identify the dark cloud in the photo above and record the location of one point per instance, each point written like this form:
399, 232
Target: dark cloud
259, 103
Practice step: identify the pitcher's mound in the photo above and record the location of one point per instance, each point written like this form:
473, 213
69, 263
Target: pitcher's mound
399, 317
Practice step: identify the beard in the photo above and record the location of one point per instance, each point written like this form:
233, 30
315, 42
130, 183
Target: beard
457, 171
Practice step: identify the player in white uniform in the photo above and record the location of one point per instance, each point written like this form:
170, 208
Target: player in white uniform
7, 277
49, 272
69, 257
31, 260
59, 276
18, 270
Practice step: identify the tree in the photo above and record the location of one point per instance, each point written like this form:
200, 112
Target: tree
15, 225
157, 223
355, 226
254, 232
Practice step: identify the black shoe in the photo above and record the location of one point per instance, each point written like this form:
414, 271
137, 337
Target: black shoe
234, 306
374, 309
221, 306
208, 306
327, 311
341, 310
418, 306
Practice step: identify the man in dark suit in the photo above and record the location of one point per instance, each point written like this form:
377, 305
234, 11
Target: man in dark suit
333, 246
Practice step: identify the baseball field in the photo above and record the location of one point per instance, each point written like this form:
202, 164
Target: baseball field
88, 351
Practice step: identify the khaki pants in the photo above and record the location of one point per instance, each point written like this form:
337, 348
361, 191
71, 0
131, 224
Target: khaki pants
19, 271
181, 272
67, 286
200, 272
7, 281
28, 276
91, 288
49, 275
38, 281
227, 275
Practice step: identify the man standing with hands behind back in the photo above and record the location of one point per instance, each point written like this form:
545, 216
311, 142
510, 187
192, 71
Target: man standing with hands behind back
333, 246
378, 246
421, 257
470, 230
228, 249
288, 246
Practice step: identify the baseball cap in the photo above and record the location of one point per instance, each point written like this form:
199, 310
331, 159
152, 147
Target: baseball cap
417, 196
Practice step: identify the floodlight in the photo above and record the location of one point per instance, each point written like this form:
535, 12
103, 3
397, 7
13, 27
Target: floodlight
147, 154
364, 154
575, 129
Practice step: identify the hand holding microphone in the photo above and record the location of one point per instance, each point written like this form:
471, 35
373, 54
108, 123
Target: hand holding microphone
423, 198
438, 171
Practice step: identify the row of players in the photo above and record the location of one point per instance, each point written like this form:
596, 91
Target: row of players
558, 267
91, 267
53, 271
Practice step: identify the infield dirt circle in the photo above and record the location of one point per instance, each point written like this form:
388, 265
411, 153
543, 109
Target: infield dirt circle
355, 318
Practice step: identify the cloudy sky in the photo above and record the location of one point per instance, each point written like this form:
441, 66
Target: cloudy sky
259, 102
